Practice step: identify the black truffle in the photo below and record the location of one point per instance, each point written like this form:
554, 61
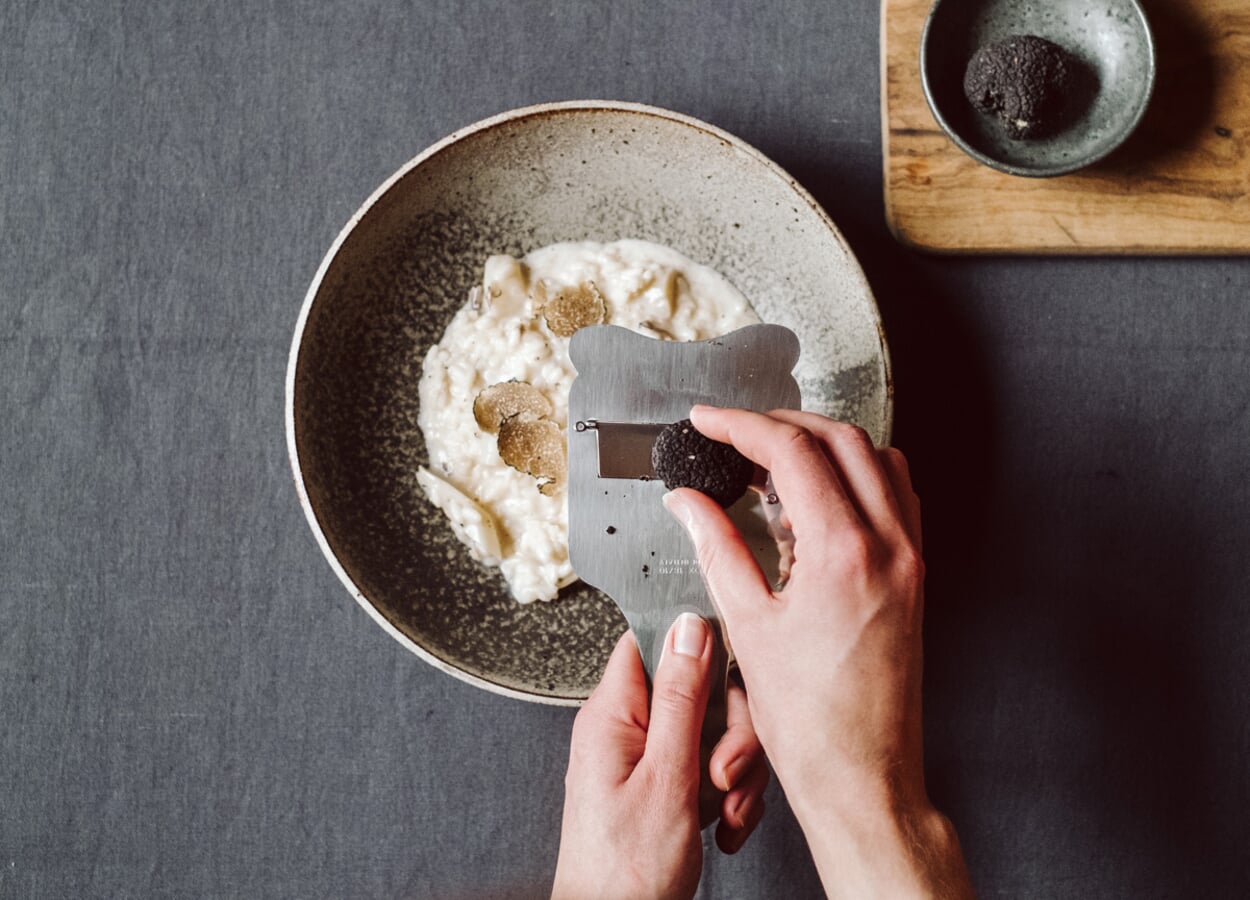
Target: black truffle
683, 457
1026, 81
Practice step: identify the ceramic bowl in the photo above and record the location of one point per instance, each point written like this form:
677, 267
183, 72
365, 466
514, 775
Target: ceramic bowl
1111, 41
405, 263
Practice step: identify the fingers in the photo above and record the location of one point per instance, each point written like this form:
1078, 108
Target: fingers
739, 749
859, 464
622, 691
806, 481
742, 810
678, 701
610, 731
857, 482
739, 768
733, 577
895, 466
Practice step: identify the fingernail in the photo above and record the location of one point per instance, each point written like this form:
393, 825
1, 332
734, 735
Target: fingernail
733, 771
699, 410
689, 635
678, 508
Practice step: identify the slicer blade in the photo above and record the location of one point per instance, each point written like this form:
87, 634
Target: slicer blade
623, 448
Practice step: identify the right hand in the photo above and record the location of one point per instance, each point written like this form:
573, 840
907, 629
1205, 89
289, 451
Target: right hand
832, 661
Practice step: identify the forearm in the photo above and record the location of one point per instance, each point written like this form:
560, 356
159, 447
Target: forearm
872, 845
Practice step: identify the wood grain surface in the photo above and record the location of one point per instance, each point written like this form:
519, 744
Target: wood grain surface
1180, 185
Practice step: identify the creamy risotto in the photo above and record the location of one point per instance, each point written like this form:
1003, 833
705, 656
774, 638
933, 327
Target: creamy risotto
494, 390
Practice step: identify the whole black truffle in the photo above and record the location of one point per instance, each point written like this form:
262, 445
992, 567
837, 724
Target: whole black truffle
682, 457
1026, 81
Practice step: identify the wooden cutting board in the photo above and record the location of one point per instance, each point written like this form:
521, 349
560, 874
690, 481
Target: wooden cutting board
1180, 185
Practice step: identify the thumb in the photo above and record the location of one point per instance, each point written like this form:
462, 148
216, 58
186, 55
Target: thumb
679, 699
732, 575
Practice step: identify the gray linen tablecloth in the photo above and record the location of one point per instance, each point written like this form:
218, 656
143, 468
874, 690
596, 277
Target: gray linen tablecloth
192, 706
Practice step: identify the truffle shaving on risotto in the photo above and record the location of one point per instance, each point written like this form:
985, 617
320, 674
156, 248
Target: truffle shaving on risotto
494, 390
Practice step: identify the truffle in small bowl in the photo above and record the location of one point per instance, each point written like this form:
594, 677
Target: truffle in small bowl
1037, 89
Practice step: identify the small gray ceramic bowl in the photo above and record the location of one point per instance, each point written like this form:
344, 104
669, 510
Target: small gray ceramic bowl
1111, 38
405, 263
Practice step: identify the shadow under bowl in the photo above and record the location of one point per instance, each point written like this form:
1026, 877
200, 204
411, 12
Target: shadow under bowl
1112, 43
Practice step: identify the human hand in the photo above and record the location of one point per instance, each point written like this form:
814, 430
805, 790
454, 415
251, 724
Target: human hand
832, 661
631, 823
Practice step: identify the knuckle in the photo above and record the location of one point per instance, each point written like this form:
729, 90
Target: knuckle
671, 782
910, 567
799, 440
587, 725
708, 553
852, 435
580, 736
857, 551
739, 742
677, 695
894, 459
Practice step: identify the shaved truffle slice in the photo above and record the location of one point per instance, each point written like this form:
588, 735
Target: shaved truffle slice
682, 457
1026, 81
572, 308
535, 447
507, 399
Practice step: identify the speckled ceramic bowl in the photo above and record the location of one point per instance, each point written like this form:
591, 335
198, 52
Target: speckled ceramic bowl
403, 265
1111, 40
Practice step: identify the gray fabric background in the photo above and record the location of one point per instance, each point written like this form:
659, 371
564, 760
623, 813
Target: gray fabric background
192, 706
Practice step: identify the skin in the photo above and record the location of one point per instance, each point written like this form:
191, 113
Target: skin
832, 668
631, 823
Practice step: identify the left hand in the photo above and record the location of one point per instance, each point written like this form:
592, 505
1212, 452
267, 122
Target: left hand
631, 821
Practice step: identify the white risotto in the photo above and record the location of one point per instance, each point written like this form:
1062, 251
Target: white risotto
515, 327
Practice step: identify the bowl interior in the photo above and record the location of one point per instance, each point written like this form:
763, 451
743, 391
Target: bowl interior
388, 289
1111, 39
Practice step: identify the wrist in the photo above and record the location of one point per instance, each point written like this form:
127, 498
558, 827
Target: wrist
873, 838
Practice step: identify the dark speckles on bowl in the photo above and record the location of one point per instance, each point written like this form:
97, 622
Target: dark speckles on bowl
1112, 43
359, 448
405, 264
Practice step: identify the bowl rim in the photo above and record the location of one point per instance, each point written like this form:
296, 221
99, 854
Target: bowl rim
1047, 171
314, 288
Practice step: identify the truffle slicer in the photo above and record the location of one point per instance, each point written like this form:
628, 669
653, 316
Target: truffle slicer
621, 538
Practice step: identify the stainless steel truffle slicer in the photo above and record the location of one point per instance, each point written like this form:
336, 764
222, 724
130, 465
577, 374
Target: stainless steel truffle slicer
621, 538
